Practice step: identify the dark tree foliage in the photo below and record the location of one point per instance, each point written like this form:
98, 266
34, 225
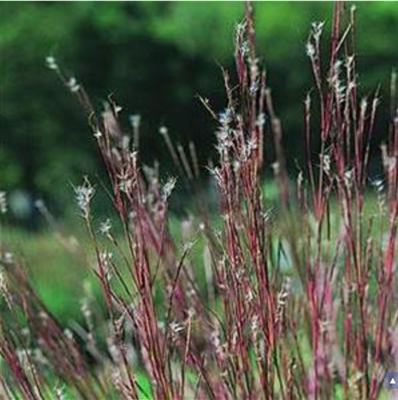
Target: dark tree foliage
154, 59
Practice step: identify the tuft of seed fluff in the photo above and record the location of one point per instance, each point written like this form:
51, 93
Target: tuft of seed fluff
105, 227
3, 202
168, 188
84, 194
51, 62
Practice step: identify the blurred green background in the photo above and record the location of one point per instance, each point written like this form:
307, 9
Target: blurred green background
155, 57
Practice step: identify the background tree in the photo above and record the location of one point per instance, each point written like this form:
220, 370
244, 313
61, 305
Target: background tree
154, 58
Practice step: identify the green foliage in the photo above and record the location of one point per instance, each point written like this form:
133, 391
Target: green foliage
57, 273
155, 58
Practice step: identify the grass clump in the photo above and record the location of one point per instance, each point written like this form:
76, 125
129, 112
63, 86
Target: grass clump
293, 301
